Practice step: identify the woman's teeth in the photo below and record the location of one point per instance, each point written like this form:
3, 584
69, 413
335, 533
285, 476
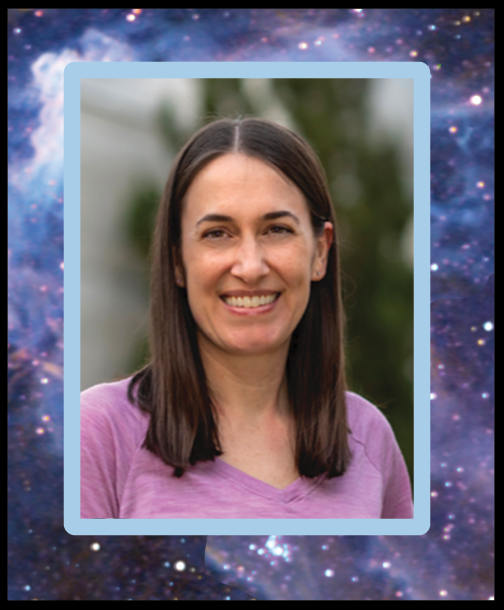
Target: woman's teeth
250, 302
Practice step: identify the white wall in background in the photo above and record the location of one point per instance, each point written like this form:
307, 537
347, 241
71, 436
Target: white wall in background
119, 145
391, 115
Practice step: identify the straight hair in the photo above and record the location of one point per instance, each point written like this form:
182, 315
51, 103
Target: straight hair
173, 388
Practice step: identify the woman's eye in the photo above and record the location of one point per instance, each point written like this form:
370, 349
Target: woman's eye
219, 233
280, 230
214, 234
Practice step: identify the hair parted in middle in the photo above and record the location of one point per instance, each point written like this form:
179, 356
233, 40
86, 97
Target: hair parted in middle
172, 387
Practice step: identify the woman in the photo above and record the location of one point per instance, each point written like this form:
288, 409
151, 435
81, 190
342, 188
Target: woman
242, 411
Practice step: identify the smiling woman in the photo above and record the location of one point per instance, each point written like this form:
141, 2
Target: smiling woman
243, 410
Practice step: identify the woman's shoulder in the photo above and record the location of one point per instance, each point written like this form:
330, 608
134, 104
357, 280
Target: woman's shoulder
111, 432
108, 402
109, 387
365, 419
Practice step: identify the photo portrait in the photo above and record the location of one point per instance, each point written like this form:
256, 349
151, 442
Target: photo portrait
247, 295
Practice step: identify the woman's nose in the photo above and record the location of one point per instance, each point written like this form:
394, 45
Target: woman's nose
249, 264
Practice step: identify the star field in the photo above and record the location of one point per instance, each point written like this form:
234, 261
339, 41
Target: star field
454, 560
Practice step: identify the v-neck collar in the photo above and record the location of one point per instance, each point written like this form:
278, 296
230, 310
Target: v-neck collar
297, 490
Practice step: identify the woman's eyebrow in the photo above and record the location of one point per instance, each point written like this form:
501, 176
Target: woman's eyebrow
268, 216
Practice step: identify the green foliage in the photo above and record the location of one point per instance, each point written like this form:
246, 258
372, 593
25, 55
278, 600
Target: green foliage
225, 98
372, 210
140, 216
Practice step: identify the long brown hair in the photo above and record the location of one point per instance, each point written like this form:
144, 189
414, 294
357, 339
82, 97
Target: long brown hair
172, 388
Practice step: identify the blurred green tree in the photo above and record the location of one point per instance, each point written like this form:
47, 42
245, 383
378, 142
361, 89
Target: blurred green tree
373, 209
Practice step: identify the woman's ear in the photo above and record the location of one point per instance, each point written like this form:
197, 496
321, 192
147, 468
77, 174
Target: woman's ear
323, 245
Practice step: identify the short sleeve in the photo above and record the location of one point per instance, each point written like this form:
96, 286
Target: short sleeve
372, 429
397, 498
98, 463
110, 434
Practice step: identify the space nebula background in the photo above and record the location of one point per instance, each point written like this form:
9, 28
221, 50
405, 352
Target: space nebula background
454, 560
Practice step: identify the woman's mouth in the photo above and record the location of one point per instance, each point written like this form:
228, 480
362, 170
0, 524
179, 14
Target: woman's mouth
250, 302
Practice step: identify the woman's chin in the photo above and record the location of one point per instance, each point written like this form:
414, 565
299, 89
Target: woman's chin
237, 346
256, 348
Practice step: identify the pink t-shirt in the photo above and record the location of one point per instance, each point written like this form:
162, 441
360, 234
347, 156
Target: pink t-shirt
120, 480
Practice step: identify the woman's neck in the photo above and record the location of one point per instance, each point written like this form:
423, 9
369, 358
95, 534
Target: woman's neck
249, 390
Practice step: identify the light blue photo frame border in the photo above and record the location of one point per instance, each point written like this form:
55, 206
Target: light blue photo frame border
420, 524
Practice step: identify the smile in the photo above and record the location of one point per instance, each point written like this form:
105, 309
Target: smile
250, 302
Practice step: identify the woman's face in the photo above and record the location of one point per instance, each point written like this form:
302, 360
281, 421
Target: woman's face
249, 255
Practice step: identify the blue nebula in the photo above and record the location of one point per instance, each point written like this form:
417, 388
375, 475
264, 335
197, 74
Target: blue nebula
454, 560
